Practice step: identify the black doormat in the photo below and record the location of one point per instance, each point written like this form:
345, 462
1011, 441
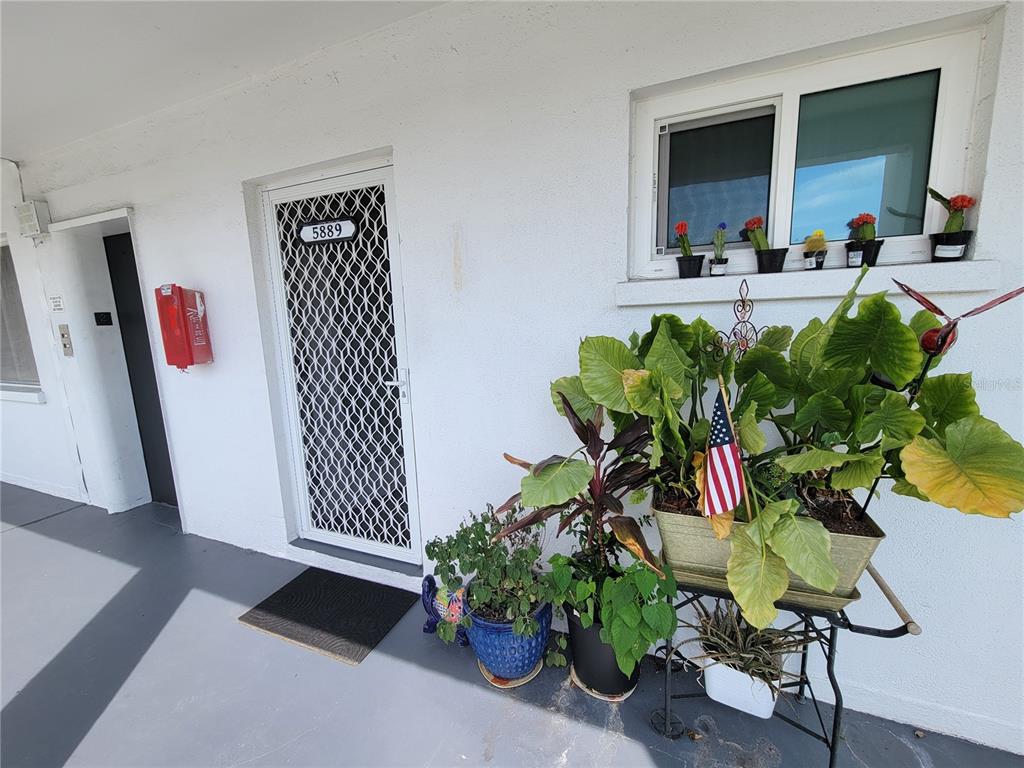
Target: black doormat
340, 616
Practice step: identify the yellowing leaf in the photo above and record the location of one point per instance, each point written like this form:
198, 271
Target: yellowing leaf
756, 578
721, 525
979, 470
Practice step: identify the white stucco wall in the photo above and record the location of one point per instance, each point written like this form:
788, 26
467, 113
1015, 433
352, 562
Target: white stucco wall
510, 131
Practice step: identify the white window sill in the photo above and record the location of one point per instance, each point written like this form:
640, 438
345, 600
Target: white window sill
22, 393
957, 277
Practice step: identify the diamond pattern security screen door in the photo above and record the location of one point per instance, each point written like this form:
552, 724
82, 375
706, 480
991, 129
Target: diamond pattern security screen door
340, 320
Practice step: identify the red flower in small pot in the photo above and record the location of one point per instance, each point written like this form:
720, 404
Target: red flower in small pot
682, 228
952, 242
863, 227
754, 229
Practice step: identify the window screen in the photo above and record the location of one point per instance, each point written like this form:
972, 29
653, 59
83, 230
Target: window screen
718, 169
865, 148
17, 365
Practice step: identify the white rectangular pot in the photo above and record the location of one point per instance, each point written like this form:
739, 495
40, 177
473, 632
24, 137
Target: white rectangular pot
738, 690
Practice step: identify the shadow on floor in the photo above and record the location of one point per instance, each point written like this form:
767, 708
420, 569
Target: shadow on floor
163, 673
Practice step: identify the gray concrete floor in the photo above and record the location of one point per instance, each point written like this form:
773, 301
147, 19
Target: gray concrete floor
121, 647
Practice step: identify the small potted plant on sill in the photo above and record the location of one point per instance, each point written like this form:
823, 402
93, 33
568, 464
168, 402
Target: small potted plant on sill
689, 263
768, 259
951, 244
719, 262
506, 611
863, 247
815, 250
743, 666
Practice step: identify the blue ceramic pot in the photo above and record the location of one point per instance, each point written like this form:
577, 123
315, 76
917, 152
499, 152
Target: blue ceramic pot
502, 651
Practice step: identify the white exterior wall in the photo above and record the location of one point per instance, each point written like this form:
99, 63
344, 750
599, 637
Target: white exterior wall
510, 131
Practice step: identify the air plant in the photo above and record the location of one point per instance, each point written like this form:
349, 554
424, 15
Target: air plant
728, 639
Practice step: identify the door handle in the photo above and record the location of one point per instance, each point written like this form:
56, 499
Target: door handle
402, 382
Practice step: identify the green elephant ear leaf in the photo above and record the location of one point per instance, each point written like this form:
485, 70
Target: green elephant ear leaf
876, 337
763, 392
667, 355
777, 337
824, 410
602, 361
947, 398
678, 330
757, 578
762, 359
572, 388
979, 470
806, 349
555, 483
806, 547
894, 420
812, 460
858, 473
752, 439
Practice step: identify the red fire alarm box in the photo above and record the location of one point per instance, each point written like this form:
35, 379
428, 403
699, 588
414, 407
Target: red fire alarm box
183, 325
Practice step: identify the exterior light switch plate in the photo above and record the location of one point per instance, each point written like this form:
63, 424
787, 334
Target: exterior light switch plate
65, 340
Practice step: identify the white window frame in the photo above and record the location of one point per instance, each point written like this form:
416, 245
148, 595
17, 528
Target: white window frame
956, 55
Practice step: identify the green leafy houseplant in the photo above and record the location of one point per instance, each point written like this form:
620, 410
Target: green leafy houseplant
506, 583
630, 603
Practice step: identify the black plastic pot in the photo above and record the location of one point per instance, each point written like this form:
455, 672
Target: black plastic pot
814, 259
771, 260
722, 266
950, 246
690, 266
593, 661
868, 250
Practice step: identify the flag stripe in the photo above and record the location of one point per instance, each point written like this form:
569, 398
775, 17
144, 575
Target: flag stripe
723, 472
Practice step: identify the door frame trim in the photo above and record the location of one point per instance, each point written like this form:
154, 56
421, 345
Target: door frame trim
280, 370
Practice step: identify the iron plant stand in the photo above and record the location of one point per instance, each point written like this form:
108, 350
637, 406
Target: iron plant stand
820, 627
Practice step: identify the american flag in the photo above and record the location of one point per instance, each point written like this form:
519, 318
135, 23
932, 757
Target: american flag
723, 474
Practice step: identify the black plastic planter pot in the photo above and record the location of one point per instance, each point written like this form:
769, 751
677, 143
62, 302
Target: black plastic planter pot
593, 662
690, 266
771, 260
950, 246
860, 252
814, 259
719, 267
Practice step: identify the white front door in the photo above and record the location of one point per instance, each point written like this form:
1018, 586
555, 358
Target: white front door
338, 297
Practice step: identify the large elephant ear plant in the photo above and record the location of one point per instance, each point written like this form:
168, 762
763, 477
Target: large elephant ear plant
855, 401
